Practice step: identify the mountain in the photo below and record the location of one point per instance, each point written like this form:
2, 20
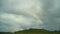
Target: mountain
33, 31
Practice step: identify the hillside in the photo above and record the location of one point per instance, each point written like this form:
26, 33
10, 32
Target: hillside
33, 31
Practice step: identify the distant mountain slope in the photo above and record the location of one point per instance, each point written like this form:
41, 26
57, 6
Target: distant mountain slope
33, 31
37, 31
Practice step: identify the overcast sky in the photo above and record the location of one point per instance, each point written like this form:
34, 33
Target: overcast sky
18, 15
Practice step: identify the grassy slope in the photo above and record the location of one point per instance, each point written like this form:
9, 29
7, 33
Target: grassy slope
34, 31
37, 31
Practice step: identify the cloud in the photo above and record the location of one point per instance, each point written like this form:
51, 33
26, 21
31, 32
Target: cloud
17, 15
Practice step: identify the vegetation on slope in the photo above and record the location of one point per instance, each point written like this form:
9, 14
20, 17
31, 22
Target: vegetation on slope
33, 31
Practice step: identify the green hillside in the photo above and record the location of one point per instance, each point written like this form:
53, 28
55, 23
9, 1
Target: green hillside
33, 31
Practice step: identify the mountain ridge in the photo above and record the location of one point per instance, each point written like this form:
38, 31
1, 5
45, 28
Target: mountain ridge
33, 31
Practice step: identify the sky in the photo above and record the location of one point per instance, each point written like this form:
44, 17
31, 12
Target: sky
19, 15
